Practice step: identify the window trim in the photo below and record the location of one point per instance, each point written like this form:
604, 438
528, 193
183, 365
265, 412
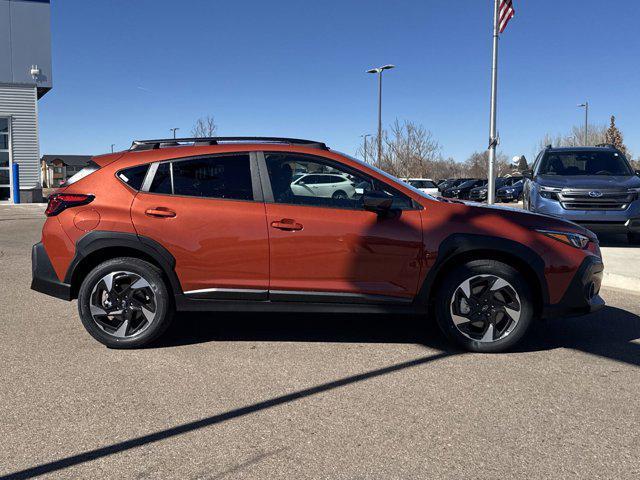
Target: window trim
268, 193
256, 186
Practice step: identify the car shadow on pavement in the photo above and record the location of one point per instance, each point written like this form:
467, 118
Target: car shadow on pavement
609, 333
616, 241
192, 328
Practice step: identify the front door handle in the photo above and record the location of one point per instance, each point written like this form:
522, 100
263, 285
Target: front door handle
287, 224
160, 212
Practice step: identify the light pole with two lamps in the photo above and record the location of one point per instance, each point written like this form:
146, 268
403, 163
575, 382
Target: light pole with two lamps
379, 71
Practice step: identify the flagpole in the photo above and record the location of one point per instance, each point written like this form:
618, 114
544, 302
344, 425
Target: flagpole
493, 141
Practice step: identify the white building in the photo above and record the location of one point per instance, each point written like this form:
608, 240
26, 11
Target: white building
25, 76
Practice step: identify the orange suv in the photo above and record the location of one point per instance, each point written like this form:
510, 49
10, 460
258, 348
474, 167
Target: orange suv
288, 225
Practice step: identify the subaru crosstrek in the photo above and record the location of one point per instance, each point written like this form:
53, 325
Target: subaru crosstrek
593, 186
217, 224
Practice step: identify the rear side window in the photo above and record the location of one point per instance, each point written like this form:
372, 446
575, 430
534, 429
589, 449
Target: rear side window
225, 176
133, 176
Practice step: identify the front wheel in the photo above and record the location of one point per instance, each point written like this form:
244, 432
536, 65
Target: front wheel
124, 303
485, 306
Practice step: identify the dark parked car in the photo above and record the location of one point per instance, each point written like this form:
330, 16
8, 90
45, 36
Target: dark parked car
480, 193
510, 193
463, 190
451, 182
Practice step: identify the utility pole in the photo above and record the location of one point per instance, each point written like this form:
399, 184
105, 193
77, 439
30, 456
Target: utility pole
379, 71
112, 145
365, 145
586, 122
174, 131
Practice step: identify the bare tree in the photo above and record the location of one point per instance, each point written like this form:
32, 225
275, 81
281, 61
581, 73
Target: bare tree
575, 138
409, 150
204, 127
477, 165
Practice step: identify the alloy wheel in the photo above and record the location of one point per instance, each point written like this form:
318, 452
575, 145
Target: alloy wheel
485, 308
123, 304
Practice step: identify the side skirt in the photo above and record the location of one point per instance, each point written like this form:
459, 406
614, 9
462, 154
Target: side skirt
189, 304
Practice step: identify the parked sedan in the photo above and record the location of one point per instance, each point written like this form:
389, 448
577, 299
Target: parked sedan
450, 183
479, 194
510, 193
463, 190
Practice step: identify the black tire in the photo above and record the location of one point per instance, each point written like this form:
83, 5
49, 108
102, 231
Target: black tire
155, 287
339, 195
454, 280
633, 238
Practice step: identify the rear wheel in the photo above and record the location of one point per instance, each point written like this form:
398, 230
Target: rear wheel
485, 306
124, 303
339, 195
633, 238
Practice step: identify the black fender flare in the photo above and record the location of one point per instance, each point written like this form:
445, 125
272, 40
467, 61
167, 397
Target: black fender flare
99, 240
459, 244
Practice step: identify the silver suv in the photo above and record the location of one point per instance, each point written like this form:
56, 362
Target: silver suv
593, 186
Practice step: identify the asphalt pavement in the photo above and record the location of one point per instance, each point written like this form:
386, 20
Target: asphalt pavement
308, 396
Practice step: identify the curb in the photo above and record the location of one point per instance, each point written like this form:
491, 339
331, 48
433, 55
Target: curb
622, 282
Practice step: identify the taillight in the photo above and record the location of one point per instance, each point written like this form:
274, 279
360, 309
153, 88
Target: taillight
61, 201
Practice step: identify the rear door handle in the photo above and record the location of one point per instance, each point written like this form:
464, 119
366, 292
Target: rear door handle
287, 224
160, 212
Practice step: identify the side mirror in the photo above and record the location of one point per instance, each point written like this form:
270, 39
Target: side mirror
527, 173
377, 202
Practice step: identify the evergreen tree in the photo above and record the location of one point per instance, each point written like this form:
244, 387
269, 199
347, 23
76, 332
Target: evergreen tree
614, 137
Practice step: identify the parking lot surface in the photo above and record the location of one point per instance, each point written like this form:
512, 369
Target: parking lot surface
308, 396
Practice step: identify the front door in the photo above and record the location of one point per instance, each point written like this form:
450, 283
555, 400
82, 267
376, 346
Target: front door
327, 247
208, 212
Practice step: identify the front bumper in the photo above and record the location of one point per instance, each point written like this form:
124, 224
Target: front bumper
507, 196
44, 278
599, 221
582, 295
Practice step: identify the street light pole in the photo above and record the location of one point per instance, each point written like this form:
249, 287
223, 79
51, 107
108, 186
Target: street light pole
365, 145
586, 121
174, 131
379, 71
112, 145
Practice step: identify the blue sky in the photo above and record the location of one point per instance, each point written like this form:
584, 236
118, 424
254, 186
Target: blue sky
134, 69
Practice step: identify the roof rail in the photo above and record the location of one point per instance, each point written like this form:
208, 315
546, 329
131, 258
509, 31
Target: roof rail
606, 145
199, 141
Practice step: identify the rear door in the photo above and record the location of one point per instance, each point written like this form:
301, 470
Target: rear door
208, 212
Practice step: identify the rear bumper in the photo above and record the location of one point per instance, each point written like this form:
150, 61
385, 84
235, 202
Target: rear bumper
582, 295
44, 278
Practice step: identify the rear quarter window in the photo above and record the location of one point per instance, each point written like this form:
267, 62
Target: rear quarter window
134, 176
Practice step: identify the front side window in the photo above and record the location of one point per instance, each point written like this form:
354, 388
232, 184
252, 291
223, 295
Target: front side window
224, 176
584, 163
323, 183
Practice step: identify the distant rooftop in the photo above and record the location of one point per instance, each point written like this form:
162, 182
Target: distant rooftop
69, 160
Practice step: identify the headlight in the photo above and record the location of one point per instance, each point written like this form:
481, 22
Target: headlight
455, 192
636, 191
509, 190
574, 239
484, 190
550, 193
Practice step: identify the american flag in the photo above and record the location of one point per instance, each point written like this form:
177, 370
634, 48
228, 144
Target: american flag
505, 13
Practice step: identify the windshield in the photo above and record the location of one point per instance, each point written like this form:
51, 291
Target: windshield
469, 183
584, 163
389, 176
